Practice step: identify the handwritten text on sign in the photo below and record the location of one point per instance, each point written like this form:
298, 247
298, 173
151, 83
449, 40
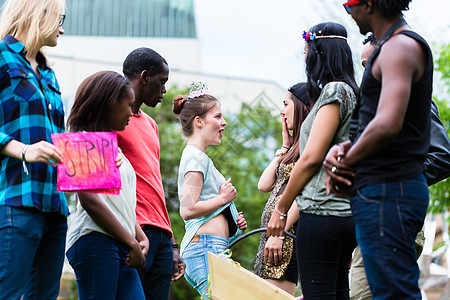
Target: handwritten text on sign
89, 161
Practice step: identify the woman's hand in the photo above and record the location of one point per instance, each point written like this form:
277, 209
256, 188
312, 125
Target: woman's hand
43, 152
240, 221
287, 136
276, 225
144, 245
135, 257
227, 192
273, 251
119, 159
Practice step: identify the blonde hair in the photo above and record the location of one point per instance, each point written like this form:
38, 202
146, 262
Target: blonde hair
31, 20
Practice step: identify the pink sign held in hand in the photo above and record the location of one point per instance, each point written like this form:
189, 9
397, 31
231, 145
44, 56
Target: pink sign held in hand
89, 162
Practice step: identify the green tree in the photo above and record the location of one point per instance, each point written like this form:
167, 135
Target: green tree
440, 192
249, 141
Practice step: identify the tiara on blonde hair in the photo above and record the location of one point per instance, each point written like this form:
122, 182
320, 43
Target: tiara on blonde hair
197, 90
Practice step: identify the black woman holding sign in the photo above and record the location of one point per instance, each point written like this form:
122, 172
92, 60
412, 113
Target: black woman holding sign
105, 243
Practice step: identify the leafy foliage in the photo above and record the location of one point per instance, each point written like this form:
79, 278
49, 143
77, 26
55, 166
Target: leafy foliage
443, 66
440, 192
246, 148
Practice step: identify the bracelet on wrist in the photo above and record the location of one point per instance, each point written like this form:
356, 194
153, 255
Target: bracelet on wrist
175, 246
280, 152
24, 151
287, 148
282, 216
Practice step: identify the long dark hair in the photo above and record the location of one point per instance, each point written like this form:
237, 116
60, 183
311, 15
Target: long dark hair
95, 99
329, 59
301, 101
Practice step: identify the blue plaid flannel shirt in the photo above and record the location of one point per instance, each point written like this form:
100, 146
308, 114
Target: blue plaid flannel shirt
30, 111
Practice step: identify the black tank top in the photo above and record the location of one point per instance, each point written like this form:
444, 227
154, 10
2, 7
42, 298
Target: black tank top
404, 158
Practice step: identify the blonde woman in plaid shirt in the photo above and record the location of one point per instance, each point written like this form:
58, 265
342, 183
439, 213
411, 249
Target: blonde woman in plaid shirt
32, 212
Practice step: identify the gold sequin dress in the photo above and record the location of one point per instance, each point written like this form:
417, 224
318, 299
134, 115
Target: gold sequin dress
261, 269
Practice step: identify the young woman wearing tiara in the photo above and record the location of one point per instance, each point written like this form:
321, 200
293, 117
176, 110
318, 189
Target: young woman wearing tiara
105, 243
282, 272
206, 197
325, 233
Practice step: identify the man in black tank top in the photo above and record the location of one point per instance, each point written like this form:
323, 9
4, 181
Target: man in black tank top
390, 194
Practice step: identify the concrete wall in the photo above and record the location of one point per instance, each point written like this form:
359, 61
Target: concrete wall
77, 57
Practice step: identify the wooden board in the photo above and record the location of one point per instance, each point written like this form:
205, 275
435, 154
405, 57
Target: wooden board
229, 282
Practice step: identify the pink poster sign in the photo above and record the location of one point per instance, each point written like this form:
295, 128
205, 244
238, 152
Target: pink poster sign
89, 162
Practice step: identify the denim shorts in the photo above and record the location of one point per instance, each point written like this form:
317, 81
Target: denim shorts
195, 257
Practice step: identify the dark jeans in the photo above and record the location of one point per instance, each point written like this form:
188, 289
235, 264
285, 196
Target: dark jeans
156, 276
324, 251
99, 264
31, 253
388, 217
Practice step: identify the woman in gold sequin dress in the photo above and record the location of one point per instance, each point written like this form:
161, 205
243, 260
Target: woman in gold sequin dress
282, 272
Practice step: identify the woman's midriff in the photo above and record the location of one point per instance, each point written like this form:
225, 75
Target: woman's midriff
215, 226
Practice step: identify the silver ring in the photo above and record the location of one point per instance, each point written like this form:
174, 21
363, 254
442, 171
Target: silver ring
275, 254
333, 169
339, 158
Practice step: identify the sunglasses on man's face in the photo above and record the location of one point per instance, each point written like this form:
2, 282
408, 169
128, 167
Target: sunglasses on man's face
348, 5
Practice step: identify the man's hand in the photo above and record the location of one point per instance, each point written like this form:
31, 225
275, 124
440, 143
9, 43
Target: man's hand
338, 175
178, 265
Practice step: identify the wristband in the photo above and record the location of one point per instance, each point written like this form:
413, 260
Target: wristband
287, 148
24, 150
174, 245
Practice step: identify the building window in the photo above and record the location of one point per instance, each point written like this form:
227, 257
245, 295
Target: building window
130, 18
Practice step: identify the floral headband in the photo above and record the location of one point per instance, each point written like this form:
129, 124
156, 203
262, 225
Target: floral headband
311, 36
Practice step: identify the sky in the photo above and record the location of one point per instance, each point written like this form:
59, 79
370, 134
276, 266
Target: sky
261, 39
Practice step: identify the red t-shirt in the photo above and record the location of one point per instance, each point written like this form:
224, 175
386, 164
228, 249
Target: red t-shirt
140, 144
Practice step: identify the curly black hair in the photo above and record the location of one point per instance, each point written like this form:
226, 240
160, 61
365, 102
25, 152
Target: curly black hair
143, 59
391, 8
370, 39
